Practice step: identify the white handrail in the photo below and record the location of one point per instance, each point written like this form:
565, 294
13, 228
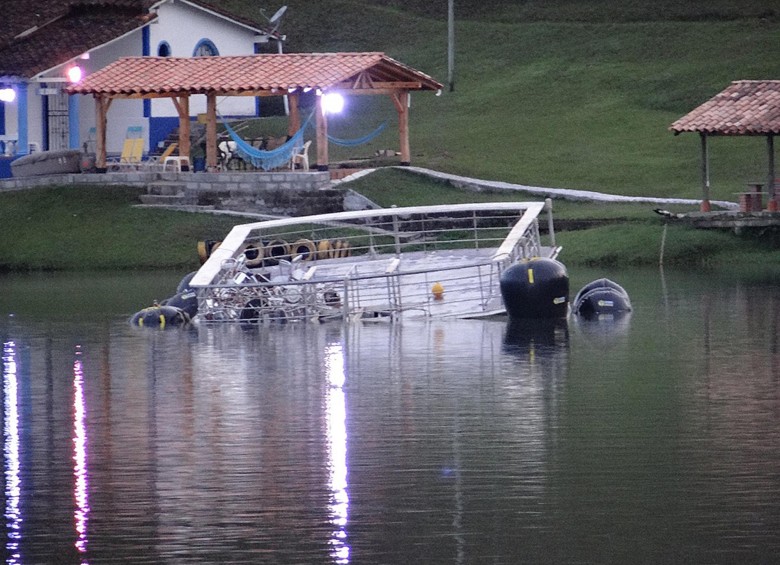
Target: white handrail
231, 245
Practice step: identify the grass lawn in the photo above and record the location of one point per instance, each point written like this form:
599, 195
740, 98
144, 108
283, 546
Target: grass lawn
624, 234
565, 94
95, 228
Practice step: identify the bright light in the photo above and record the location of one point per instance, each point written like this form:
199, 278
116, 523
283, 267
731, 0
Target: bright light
7, 95
74, 74
332, 103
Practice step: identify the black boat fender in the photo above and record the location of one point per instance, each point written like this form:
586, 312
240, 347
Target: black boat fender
160, 316
536, 288
601, 297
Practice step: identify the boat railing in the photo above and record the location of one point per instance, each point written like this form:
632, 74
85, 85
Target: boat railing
375, 262
348, 294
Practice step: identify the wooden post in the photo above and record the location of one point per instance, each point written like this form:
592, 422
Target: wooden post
211, 131
771, 189
102, 104
182, 104
294, 121
705, 174
451, 44
401, 101
322, 136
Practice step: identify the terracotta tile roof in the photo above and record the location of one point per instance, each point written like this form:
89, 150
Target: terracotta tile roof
60, 31
746, 107
171, 75
38, 13
64, 29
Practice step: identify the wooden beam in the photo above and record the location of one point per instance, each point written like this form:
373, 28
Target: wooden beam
211, 132
401, 101
102, 103
705, 174
375, 87
771, 181
322, 136
294, 121
363, 80
183, 109
254, 93
158, 95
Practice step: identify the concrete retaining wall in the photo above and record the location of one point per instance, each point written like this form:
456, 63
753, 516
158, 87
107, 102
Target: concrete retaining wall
276, 180
278, 193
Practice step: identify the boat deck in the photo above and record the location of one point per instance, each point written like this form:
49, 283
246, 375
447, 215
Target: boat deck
386, 270
385, 285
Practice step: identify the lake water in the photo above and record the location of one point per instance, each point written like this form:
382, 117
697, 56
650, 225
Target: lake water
654, 439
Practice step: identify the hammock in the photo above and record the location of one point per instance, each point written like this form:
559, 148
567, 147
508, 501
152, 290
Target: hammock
271, 159
360, 140
275, 158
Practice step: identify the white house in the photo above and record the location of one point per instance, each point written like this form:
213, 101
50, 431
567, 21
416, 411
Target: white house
51, 43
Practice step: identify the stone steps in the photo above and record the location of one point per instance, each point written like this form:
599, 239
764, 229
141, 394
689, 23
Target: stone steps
169, 193
166, 188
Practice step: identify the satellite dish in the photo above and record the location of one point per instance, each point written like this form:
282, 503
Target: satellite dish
274, 20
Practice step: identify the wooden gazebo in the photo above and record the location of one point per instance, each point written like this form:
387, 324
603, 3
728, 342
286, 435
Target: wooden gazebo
253, 75
746, 107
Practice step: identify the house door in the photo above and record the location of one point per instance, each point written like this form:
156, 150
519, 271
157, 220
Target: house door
57, 120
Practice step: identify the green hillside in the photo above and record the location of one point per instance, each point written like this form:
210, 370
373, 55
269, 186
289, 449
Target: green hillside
564, 93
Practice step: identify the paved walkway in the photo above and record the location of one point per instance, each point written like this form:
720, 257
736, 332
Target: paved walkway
566, 193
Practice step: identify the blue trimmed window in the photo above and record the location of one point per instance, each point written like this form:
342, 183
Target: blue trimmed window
205, 48
164, 49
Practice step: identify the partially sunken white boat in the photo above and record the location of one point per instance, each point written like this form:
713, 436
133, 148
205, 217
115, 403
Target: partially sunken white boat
424, 261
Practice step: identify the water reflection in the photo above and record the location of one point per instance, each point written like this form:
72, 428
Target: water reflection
81, 486
605, 331
653, 438
13, 482
532, 337
336, 415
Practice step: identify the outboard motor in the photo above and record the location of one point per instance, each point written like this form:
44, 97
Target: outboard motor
536, 288
176, 311
186, 300
601, 297
184, 284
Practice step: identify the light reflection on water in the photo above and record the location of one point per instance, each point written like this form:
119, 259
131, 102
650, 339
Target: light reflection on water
336, 415
655, 438
80, 471
13, 481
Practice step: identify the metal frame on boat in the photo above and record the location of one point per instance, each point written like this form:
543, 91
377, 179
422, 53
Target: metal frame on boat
429, 261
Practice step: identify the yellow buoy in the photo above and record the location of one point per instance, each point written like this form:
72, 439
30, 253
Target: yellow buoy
205, 249
438, 291
323, 249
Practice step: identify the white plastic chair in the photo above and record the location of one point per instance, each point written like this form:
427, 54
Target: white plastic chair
301, 157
